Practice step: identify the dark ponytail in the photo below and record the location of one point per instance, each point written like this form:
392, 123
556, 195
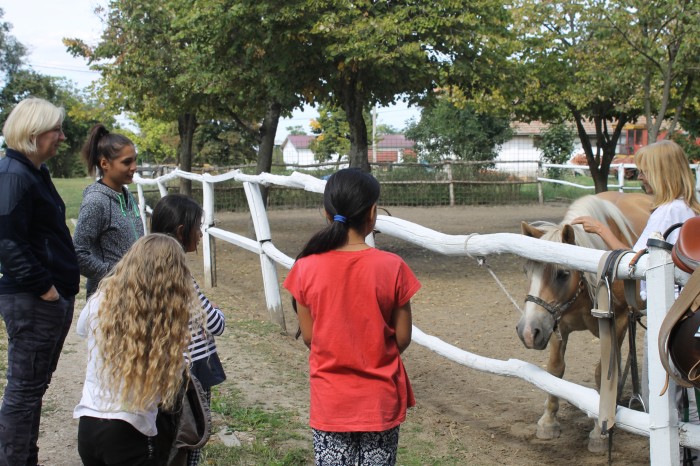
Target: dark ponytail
350, 193
101, 143
174, 210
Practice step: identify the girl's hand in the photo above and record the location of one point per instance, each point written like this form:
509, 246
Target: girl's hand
589, 224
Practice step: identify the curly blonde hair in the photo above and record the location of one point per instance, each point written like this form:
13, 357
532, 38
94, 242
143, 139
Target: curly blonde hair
668, 173
142, 323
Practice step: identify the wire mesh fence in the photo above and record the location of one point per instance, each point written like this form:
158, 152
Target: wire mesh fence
446, 183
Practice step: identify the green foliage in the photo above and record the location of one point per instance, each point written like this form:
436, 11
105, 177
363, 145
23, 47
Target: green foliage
156, 140
296, 130
690, 146
446, 131
332, 130
12, 52
557, 145
219, 143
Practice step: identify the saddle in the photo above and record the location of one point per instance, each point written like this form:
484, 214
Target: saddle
686, 251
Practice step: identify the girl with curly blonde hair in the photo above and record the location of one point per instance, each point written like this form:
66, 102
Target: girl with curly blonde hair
137, 330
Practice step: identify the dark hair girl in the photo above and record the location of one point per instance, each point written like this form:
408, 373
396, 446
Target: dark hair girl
354, 308
109, 221
180, 216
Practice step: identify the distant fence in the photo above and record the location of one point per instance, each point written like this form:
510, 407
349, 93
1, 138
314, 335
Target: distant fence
447, 183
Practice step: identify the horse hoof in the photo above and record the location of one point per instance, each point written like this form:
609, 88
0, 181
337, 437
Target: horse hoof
597, 444
548, 432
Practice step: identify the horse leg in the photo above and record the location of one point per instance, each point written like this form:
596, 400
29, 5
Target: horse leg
548, 426
596, 442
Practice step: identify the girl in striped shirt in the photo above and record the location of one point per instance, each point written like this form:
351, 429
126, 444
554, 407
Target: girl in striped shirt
180, 216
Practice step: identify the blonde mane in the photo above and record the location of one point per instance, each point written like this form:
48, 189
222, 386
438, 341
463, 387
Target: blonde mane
600, 210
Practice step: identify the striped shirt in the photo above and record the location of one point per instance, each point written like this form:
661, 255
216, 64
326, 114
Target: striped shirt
202, 344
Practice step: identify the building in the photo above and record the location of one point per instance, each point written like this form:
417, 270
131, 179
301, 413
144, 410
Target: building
295, 150
392, 148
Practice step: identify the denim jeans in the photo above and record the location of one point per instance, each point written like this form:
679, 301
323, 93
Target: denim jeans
36, 330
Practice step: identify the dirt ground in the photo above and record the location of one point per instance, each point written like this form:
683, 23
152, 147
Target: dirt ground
481, 419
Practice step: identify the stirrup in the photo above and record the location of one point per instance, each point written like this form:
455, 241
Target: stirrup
637, 398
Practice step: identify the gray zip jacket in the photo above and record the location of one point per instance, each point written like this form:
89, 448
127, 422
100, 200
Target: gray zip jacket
108, 224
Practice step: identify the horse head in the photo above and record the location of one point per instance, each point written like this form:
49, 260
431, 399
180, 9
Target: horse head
553, 289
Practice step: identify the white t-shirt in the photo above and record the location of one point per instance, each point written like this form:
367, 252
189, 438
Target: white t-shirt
97, 400
664, 216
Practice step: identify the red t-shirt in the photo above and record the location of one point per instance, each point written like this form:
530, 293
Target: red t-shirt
358, 381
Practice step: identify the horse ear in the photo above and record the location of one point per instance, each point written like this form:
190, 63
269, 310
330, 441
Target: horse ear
568, 235
529, 230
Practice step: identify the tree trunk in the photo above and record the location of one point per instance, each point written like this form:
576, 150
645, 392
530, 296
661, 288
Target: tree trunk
267, 133
599, 163
353, 105
186, 125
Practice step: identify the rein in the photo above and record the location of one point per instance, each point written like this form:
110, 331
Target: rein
557, 310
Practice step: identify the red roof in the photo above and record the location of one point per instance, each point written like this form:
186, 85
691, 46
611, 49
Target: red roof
300, 141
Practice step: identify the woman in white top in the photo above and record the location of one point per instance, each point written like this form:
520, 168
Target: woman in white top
137, 328
665, 174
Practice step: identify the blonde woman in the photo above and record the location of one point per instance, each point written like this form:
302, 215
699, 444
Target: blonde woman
137, 329
39, 275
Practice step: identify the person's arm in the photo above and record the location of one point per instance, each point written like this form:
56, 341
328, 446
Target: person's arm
90, 225
592, 225
16, 255
306, 323
216, 320
403, 326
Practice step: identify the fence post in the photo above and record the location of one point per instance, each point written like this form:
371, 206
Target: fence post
621, 177
268, 265
142, 206
448, 168
208, 241
663, 413
540, 195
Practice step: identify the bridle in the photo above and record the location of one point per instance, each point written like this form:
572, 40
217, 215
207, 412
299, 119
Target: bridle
557, 310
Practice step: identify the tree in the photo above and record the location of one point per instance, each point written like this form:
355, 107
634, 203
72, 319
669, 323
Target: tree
296, 130
662, 39
447, 131
12, 52
374, 51
570, 67
557, 144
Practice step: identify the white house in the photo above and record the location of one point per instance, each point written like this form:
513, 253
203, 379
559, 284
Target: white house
520, 151
295, 150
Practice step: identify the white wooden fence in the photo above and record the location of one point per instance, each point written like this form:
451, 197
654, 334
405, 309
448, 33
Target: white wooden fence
661, 424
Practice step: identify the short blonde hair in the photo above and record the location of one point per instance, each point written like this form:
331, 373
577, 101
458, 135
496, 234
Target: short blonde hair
30, 118
667, 170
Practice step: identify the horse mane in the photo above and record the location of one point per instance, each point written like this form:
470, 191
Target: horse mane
603, 211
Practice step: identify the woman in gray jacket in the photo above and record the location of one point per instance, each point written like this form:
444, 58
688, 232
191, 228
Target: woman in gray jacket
109, 221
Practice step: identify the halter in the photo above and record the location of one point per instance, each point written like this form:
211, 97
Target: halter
557, 310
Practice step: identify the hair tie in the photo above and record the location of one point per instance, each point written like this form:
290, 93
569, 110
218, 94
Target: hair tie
339, 218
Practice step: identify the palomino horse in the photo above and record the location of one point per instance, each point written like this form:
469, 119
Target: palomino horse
560, 300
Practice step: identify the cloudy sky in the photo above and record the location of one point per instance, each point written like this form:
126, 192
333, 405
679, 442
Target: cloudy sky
41, 25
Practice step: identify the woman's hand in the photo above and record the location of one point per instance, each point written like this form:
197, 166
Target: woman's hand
51, 295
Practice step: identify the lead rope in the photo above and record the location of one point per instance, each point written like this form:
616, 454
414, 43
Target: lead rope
482, 263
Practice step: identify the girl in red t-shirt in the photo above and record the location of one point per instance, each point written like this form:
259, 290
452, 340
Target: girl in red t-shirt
354, 308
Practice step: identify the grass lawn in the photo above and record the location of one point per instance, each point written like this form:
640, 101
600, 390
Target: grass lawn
71, 190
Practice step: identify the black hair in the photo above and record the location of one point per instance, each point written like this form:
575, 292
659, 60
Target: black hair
174, 210
349, 192
101, 143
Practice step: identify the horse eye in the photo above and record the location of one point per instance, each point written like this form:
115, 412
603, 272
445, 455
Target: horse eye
563, 275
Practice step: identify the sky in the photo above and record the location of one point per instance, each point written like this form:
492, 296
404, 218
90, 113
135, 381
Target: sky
41, 25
